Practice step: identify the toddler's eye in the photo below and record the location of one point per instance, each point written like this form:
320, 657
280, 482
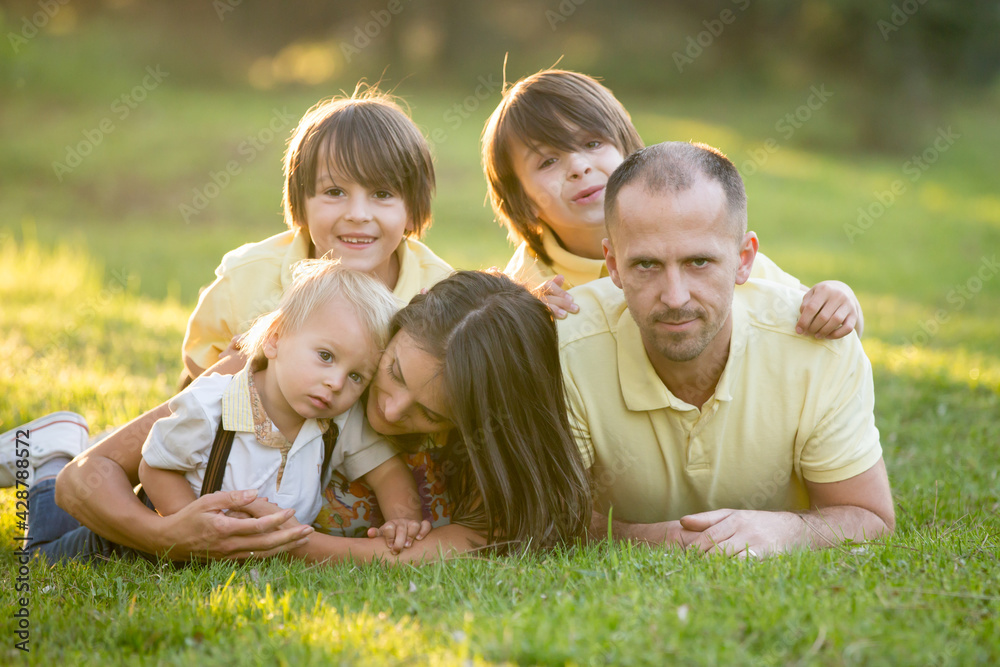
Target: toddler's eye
356, 378
325, 356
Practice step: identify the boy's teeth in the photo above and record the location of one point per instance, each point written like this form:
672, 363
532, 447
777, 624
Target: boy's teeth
351, 239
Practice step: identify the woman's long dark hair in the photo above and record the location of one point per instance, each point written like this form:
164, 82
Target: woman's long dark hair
513, 470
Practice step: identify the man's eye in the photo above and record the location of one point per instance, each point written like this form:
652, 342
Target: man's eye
699, 262
645, 264
325, 356
356, 378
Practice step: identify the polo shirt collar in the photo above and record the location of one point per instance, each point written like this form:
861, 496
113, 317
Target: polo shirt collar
237, 413
577, 270
642, 388
408, 280
297, 251
237, 410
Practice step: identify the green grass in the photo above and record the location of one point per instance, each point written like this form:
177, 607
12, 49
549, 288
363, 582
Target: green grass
98, 273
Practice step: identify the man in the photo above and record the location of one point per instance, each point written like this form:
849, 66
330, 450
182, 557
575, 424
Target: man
707, 420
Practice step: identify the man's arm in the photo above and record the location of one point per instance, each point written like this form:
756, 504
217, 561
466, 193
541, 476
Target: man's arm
855, 510
97, 489
669, 533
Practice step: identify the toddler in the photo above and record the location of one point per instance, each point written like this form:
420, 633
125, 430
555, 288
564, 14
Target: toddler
310, 361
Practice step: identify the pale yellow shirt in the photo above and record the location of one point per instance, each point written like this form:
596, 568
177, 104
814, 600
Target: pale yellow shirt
787, 408
251, 279
183, 442
526, 268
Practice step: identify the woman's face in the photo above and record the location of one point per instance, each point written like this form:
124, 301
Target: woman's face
407, 394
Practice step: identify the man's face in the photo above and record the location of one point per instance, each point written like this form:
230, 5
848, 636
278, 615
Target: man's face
676, 258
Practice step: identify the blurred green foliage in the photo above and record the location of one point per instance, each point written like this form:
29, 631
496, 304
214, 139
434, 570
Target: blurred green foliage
902, 65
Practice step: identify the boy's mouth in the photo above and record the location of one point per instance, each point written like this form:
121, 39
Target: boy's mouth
320, 402
589, 195
357, 240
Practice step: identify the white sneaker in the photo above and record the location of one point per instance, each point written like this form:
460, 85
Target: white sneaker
60, 434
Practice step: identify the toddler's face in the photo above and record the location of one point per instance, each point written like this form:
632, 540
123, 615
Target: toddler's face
322, 368
567, 187
362, 227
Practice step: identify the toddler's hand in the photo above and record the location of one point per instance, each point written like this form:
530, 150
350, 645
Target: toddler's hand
559, 301
400, 533
830, 310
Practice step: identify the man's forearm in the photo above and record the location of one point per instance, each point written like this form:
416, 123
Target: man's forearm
830, 526
664, 532
97, 486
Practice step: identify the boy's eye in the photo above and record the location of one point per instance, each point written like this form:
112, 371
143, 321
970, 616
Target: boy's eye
593, 144
356, 378
545, 163
334, 192
325, 356
383, 194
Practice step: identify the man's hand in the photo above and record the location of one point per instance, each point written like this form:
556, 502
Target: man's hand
853, 510
400, 533
830, 310
559, 301
742, 533
202, 530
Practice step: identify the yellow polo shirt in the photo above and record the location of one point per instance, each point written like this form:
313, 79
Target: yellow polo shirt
787, 408
526, 268
251, 279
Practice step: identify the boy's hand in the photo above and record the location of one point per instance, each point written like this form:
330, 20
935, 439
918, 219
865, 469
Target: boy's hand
559, 301
235, 350
830, 310
400, 533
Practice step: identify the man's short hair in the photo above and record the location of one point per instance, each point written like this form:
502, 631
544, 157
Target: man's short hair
674, 166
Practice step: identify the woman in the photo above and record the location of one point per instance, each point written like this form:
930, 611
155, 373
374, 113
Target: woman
474, 361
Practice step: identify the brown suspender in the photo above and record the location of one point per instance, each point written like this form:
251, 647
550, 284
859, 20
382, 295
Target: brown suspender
224, 443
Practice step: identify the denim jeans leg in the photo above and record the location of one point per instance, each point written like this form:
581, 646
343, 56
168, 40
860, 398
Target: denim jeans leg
53, 532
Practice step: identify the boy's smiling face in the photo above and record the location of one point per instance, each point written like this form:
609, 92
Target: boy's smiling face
566, 188
360, 226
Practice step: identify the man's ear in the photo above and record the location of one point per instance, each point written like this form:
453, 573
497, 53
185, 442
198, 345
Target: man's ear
748, 251
611, 261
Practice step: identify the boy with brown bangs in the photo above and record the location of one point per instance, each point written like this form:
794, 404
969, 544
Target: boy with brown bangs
548, 150
358, 185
